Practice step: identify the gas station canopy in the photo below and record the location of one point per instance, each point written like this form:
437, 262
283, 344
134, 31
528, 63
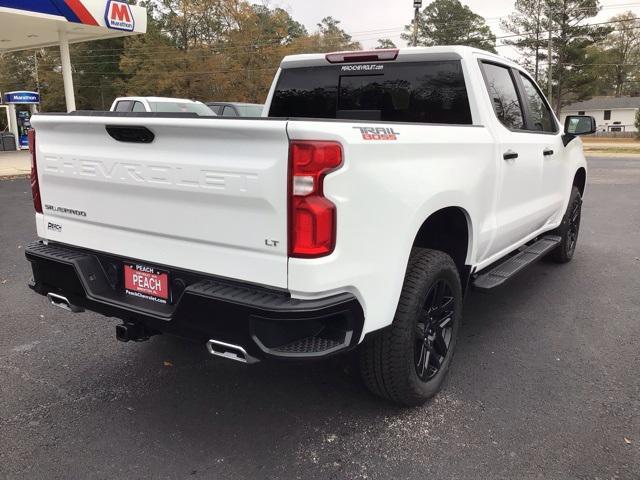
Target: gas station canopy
30, 24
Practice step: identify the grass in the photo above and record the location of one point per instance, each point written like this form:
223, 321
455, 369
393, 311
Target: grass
612, 150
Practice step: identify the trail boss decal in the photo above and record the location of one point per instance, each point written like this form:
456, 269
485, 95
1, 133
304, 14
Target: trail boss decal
379, 133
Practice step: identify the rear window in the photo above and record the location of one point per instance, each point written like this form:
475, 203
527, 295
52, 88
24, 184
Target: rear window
424, 92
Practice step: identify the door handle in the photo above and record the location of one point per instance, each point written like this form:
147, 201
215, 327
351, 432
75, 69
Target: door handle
510, 155
547, 152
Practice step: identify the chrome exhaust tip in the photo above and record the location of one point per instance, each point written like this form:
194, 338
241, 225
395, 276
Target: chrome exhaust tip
230, 352
63, 302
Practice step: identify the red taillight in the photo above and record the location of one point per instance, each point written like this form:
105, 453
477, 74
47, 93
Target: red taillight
35, 186
383, 55
312, 217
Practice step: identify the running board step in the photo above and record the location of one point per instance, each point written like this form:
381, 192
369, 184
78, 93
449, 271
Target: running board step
509, 268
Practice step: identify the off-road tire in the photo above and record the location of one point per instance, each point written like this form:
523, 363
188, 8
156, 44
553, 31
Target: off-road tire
387, 361
567, 229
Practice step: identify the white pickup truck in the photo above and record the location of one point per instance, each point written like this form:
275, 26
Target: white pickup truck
381, 187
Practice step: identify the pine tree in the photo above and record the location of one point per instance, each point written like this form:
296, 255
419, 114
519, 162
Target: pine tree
573, 72
529, 23
448, 22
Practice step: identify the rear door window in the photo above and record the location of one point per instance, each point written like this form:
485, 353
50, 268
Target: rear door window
424, 92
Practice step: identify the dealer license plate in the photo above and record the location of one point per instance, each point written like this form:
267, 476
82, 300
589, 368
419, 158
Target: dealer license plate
146, 282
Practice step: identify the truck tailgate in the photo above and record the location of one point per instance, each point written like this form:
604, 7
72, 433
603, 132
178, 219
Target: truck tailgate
207, 194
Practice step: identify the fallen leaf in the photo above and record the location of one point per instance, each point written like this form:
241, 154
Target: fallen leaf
168, 364
627, 441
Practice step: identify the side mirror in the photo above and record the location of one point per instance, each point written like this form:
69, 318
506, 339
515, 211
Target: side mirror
576, 125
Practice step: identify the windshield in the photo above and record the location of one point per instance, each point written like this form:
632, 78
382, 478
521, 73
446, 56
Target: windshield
181, 107
410, 92
250, 110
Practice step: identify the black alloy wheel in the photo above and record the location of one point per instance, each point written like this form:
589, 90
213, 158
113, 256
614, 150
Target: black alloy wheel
408, 361
434, 330
569, 229
574, 225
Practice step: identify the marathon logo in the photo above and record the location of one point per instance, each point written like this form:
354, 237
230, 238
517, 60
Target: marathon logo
380, 133
119, 16
362, 68
24, 98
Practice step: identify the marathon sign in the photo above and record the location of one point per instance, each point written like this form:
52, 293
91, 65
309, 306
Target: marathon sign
22, 97
118, 16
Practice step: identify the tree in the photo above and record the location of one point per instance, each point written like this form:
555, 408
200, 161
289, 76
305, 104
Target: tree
637, 123
621, 50
332, 38
192, 23
277, 24
385, 43
17, 71
573, 74
530, 24
200, 49
448, 22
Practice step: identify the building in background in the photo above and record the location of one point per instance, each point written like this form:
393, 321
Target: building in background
612, 114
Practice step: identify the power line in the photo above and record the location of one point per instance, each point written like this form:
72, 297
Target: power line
175, 53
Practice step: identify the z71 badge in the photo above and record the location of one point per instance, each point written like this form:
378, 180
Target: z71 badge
379, 133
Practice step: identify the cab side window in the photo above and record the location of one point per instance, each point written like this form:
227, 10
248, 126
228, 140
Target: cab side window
138, 107
124, 106
217, 109
229, 112
540, 116
504, 96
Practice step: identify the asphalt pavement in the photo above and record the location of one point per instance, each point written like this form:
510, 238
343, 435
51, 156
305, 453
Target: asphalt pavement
545, 383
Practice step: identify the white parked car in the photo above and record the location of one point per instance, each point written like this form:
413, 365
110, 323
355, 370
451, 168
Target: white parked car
383, 186
160, 105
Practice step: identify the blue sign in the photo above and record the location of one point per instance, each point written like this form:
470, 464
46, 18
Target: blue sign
22, 97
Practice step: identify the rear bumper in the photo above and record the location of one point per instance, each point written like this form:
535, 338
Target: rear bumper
266, 323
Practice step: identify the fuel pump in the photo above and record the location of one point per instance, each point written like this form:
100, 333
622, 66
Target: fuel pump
21, 105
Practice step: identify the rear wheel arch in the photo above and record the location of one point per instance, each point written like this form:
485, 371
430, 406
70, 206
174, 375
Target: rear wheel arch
448, 230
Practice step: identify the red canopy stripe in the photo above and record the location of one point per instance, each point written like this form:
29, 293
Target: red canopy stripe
80, 10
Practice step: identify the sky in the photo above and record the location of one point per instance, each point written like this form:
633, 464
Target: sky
368, 20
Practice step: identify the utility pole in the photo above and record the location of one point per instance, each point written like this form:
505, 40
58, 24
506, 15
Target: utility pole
35, 66
549, 53
417, 5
